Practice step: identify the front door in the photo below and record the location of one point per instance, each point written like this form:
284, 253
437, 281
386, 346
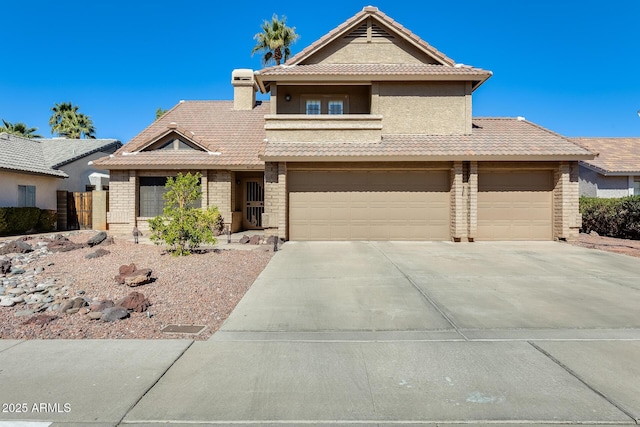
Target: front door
253, 203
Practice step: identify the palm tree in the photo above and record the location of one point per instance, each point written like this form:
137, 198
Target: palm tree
274, 40
20, 129
68, 122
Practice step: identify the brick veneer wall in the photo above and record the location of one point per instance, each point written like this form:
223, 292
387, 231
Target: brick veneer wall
566, 200
473, 201
122, 201
219, 190
275, 199
124, 194
458, 205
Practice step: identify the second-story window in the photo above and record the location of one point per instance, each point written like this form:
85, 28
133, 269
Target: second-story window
325, 104
335, 107
314, 106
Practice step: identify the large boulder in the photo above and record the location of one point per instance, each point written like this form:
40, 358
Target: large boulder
97, 253
97, 239
114, 313
132, 276
101, 305
5, 266
59, 243
135, 301
16, 247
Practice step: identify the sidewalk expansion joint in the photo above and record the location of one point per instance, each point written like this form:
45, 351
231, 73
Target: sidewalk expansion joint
579, 378
154, 383
423, 293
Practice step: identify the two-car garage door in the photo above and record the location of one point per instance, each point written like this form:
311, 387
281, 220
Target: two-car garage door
369, 205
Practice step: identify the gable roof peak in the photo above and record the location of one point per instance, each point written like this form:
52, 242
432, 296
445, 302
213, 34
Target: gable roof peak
355, 21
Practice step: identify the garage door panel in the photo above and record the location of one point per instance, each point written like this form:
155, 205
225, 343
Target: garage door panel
369, 205
515, 205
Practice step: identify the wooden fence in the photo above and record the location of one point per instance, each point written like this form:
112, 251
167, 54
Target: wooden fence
75, 210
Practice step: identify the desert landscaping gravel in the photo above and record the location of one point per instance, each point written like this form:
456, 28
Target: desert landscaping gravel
200, 289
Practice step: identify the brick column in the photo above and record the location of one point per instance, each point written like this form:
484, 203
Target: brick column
219, 193
566, 210
458, 207
204, 186
473, 201
274, 219
123, 194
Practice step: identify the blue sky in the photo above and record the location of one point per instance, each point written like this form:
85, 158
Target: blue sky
570, 66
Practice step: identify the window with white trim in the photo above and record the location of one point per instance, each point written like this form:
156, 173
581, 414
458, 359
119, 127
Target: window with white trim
313, 106
636, 186
325, 104
26, 196
335, 107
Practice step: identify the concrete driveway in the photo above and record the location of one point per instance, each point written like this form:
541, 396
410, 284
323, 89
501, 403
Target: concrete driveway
384, 333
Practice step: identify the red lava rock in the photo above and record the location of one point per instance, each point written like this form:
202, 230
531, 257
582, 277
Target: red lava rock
135, 301
131, 276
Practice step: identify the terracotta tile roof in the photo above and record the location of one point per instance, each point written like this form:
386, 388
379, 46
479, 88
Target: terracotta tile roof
491, 138
358, 18
25, 155
374, 70
615, 155
237, 135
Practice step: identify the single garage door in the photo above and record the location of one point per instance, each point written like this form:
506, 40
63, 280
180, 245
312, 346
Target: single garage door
369, 205
515, 205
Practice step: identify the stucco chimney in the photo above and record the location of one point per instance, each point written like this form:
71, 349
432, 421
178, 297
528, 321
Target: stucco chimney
244, 89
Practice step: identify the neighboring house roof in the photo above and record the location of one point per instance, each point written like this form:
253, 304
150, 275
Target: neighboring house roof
25, 155
61, 151
491, 139
232, 137
353, 22
616, 156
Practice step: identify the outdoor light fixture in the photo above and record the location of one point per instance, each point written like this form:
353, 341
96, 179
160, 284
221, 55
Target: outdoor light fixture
287, 98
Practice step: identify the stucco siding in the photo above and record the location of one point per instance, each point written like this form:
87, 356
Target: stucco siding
79, 172
45, 189
433, 108
613, 186
588, 182
593, 184
380, 50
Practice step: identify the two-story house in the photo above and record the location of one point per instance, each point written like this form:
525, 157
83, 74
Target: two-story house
368, 134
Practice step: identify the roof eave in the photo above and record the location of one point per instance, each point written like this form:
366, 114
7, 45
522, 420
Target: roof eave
608, 172
430, 157
181, 166
368, 78
53, 174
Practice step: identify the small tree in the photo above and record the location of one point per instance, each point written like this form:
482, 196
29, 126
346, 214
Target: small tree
181, 226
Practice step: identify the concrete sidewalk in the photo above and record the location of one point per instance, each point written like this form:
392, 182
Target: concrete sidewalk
363, 333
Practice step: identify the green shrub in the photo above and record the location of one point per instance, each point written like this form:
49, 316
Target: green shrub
18, 220
181, 226
611, 217
48, 221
